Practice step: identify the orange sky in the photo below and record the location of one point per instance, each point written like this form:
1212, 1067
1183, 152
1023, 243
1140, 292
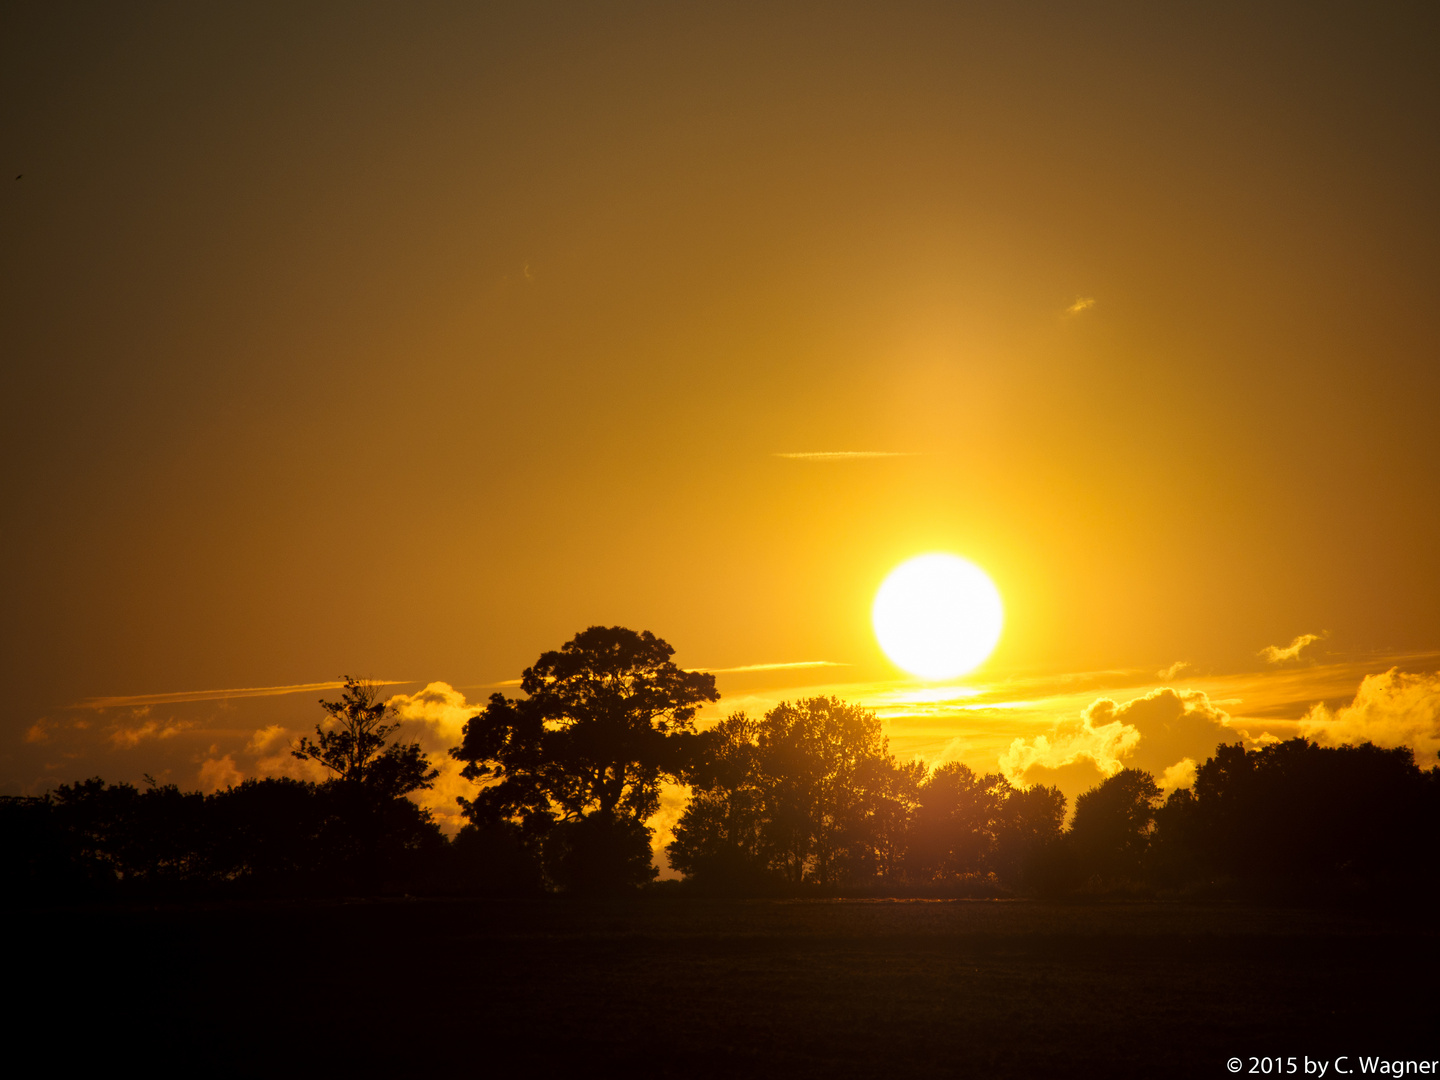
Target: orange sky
410, 341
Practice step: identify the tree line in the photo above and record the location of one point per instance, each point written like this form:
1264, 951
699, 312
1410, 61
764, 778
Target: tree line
806, 798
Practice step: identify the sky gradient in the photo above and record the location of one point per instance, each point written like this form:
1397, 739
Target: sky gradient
408, 341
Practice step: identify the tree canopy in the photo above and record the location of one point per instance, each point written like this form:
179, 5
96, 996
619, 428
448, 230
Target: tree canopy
807, 796
606, 716
808, 793
354, 745
605, 719
1113, 822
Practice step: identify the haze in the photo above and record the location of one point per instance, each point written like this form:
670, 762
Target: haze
409, 341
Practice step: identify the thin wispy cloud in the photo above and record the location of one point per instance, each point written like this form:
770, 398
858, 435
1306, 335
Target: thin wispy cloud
1083, 303
846, 455
126, 738
1174, 669
770, 667
1275, 655
217, 695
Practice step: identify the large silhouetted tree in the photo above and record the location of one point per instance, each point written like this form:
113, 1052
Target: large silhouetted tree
968, 824
953, 831
1113, 821
1027, 830
577, 763
1295, 815
809, 793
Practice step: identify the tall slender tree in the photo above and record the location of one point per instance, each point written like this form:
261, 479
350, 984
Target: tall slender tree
354, 744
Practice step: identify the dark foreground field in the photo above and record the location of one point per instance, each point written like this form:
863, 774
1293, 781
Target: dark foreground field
677, 987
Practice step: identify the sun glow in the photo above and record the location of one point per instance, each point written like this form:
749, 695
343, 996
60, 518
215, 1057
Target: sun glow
937, 616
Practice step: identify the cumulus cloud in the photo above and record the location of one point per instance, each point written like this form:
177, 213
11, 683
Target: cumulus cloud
1082, 303
435, 718
1390, 709
1158, 732
673, 798
217, 773
1072, 742
284, 763
127, 738
1179, 775
1174, 669
1275, 655
267, 738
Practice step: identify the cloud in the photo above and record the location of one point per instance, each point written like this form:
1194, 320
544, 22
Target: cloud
1082, 303
287, 764
1174, 669
126, 738
1390, 709
1158, 732
266, 738
435, 718
770, 667
1072, 742
845, 455
217, 773
673, 798
216, 695
954, 750
1275, 655
1179, 775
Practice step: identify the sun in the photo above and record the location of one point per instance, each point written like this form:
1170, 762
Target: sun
938, 616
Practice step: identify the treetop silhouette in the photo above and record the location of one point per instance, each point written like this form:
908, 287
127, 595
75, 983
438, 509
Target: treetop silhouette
606, 717
808, 793
355, 748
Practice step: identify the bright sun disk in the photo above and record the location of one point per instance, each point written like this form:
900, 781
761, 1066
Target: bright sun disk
938, 616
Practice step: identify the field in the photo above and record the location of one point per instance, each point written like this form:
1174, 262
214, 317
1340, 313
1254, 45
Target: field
671, 986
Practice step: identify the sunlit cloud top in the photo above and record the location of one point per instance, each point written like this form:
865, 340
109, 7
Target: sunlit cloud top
1276, 655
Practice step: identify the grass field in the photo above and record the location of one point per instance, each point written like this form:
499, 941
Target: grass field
677, 987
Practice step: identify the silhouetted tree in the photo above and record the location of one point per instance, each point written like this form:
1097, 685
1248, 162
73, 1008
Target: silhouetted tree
354, 745
578, 762
371, 833
1027, 830
1294, 815
953, 831
720, 839
968, 824
266, 836
495, 860
810, 793
1111, 830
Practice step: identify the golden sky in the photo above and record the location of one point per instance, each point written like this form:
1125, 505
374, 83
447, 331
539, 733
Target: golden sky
410, 340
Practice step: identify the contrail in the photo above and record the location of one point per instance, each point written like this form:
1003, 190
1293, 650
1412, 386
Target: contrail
217, 695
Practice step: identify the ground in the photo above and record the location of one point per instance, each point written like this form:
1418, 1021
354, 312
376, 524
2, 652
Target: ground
673, 986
